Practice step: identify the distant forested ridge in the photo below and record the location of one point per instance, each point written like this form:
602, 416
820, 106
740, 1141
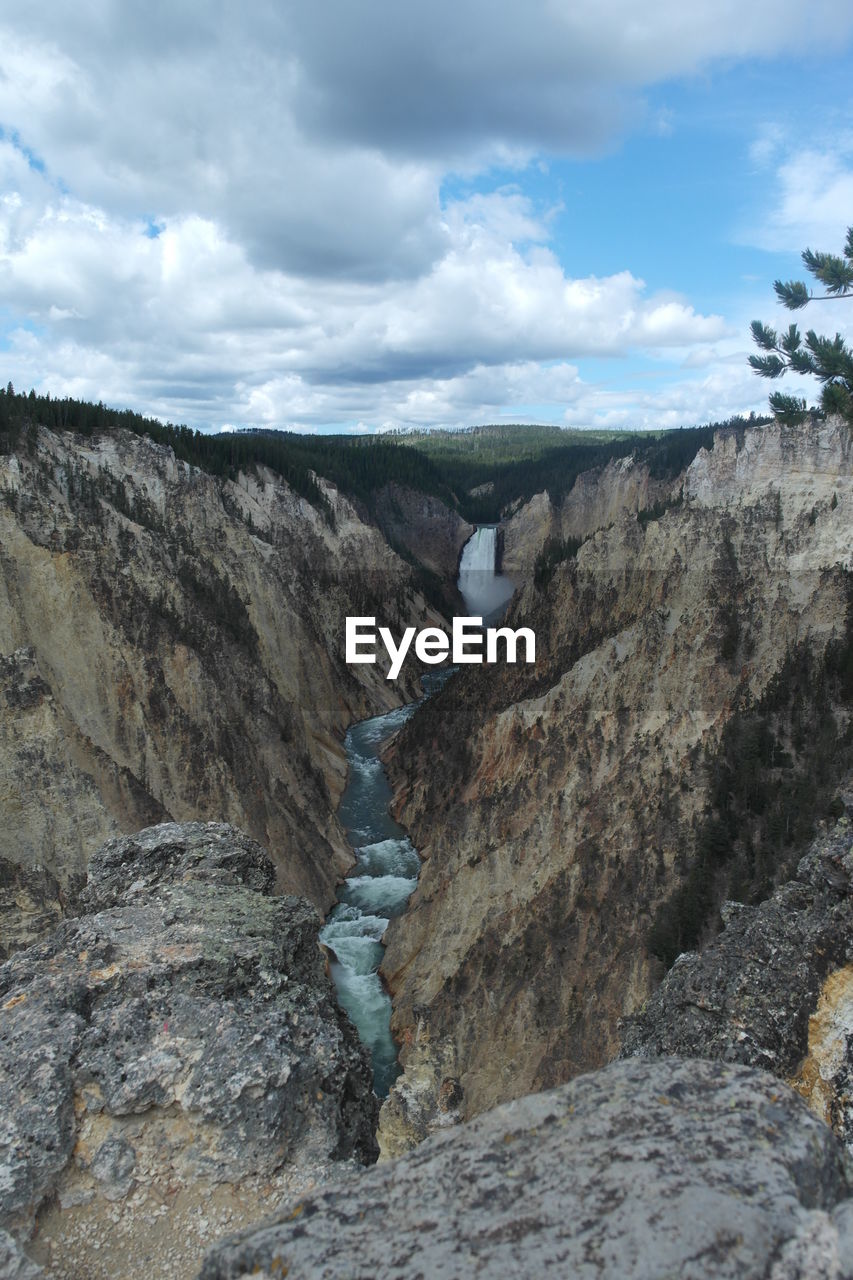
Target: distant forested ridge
512, 463
478, 472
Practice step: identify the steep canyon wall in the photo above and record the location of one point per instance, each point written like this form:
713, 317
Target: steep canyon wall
557, 810
172, 647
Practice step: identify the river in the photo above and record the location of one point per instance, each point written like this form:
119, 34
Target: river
387, 864
377, 889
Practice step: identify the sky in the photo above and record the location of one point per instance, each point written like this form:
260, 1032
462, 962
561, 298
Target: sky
362, 216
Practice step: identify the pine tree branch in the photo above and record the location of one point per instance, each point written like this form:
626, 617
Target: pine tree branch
768, 366
829, 360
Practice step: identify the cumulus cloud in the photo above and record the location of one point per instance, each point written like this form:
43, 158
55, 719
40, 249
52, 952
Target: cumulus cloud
317, 135
189, 304
227, 214
727, 388
562, 76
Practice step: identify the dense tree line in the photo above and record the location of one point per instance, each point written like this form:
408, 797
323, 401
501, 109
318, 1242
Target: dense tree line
501, 465
225, 454
511, 464
359, 465
509, 478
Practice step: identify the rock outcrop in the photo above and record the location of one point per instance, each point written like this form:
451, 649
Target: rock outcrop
774, 989
178, 1036
193, 665
641, 1170
31, 903
597, 499
556, 809
14, 1263
430, 531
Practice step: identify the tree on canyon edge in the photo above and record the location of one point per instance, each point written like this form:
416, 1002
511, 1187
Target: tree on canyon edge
830, 360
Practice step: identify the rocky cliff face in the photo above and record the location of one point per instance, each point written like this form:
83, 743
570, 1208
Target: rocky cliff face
597, 500
556, 810
775, 989
431, 533
640, 1170
172, 647
174, 1052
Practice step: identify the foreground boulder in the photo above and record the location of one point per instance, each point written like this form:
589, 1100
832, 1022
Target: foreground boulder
775, 989
179, 1035
642, 1169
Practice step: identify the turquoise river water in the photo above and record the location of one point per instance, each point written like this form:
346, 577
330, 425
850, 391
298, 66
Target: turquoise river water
387, 864
377, 889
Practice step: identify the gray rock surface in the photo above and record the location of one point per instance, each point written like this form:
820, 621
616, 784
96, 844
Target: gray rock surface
643, 1169
183, 1028
752, 994
14, 1264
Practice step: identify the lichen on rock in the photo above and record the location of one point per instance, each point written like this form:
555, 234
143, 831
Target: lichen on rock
181, 1030
640, 1170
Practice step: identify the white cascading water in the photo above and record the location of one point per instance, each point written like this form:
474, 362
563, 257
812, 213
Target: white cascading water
485, 592
382, 881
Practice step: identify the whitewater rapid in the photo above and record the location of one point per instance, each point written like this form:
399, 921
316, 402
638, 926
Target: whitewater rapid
377, 889
387, 865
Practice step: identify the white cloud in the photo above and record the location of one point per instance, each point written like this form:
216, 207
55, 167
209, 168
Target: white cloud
727, 389
180, 318
767, 144
816, 199
292, 159
811, 199
316, 136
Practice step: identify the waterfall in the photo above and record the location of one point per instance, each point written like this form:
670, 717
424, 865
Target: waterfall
480, 551
485, 592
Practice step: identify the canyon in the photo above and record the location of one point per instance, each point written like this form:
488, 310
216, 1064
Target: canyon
558, 821
172, 659
173, 649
